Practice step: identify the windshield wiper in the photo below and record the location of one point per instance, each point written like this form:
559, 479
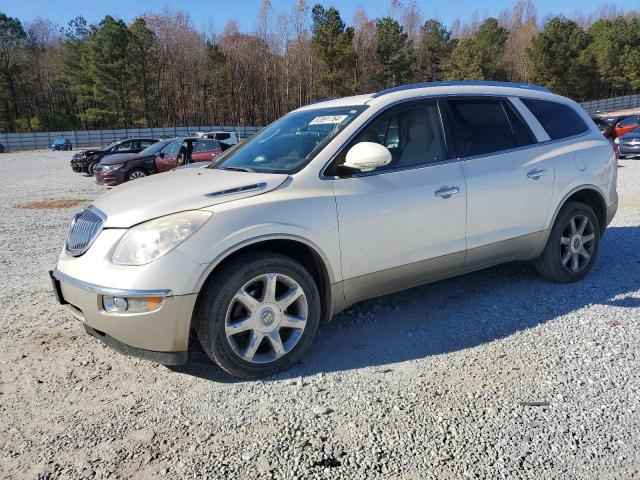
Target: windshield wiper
239, 169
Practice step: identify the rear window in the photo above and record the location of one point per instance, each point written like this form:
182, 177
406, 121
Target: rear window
480, 126
558, 120
222, 136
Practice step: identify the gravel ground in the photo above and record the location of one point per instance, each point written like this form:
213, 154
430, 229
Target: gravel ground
496, 374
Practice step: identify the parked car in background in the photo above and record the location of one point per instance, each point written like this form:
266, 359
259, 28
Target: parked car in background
187, 150
296, 224
87, 160
1, 148
622, 125
629, 144
226, 139
122, 167
161, 157
601, 123
61, 144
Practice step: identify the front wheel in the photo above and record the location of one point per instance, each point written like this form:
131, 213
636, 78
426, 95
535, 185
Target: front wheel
258, 315
572, 246
91, 169
135, 174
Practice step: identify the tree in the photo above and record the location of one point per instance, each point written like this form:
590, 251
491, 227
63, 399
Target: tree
142, 58
12, 36
480, 56
434, 50
395, 55
557, 59
333, 47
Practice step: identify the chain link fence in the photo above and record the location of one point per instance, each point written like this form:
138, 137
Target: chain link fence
92, 138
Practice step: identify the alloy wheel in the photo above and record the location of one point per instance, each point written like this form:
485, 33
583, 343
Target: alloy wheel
266, 318
137, 174
577, 243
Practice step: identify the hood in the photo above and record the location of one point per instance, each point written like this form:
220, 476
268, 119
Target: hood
90, 151
630, 136
179, 190
116, 158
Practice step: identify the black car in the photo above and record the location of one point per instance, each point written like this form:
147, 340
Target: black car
87, 160
1, 148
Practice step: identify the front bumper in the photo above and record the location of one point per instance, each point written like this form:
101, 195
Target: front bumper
161, 335
631, 150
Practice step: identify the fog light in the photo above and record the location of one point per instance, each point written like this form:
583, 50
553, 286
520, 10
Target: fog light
131, 304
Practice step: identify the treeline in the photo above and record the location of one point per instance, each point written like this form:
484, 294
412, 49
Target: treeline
161, 70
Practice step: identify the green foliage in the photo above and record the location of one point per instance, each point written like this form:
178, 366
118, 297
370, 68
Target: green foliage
107, 61
481, 56
395, 53
614, 48
434, 49
332, 45
558, 59
12, 36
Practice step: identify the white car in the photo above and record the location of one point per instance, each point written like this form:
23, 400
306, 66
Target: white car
226, 139
334, 203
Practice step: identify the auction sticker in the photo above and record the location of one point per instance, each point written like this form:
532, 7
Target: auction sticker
328, 119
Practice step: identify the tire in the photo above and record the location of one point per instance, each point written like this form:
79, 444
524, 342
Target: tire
136, 173
218, 307
91, 168
563, 258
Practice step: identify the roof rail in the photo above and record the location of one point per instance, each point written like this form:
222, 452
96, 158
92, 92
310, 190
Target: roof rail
476, 83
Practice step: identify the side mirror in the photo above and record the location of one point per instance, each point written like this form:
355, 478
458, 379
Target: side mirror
161, 154
366, 157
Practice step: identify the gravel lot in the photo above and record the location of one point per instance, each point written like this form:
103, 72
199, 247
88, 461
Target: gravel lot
496, 374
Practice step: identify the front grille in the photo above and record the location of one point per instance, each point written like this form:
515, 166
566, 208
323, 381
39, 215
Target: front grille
84, 230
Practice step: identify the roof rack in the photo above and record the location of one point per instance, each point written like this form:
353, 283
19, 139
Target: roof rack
475, 83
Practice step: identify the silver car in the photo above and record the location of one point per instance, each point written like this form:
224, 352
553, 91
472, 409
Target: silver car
338, 202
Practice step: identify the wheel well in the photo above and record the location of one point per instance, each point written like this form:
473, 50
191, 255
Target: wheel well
298, 251
595, 201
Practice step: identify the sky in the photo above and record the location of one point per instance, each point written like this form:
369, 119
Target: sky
216, 13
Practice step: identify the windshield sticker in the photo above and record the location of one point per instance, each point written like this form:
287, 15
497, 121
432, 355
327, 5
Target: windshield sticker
328, 119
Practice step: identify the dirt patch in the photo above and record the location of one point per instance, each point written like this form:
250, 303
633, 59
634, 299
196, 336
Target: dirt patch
53, 203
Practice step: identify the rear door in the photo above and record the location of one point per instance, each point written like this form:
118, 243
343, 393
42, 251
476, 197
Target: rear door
509, 179
205, 150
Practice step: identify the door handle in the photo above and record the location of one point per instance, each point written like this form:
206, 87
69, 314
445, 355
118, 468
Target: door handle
446, 191
536, 173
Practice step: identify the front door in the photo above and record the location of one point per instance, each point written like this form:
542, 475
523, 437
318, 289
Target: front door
402, 224
168, 158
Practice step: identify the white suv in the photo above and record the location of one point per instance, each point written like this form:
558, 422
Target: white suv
334, 203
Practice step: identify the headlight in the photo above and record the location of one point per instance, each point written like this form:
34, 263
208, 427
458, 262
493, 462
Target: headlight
149, 241
617, 141
111, 168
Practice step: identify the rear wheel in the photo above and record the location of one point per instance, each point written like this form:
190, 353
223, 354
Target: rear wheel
259, 315
572, 246
135, 174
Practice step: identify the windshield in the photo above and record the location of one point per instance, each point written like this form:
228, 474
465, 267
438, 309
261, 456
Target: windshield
291, 142
155, 148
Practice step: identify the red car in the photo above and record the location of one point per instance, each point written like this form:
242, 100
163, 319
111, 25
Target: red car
187, 150
160, 157
622, 125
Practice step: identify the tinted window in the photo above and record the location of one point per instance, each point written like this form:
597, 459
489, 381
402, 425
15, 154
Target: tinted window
413, 134
222, 136
558, 120
632, 120
146, 143
480, 126
173, 148
205, 145
519, 127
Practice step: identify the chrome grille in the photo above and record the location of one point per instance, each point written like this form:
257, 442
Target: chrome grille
85, 228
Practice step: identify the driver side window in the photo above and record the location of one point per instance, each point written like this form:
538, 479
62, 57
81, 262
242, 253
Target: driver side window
413, 134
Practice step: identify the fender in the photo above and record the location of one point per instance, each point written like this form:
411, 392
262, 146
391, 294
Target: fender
261, 238
577, 189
